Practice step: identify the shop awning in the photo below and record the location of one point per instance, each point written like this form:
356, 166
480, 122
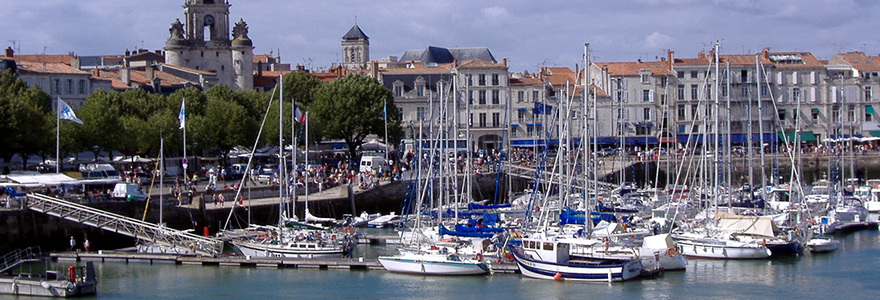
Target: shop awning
782, 111
514, 125
874, 133
869, 109
806, 136
522, 109
815, 110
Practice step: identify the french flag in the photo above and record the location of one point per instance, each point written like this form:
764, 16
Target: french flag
298, 115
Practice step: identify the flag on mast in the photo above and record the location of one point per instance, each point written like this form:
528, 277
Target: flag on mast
66, 113
182, 115
298, 115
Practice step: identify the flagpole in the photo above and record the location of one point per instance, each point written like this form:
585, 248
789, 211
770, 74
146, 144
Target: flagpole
57, 135
182, 116
385, 119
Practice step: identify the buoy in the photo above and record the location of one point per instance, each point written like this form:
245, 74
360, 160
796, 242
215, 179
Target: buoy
557, 277
671, 251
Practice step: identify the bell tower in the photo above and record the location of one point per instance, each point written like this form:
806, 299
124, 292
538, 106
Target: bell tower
201, 42
355, 49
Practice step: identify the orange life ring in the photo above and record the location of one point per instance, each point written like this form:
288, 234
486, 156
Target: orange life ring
262, 236
478, 257
333, 237
671, 251
764, 242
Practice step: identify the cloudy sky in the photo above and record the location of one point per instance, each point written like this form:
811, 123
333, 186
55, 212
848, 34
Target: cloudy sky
528, 33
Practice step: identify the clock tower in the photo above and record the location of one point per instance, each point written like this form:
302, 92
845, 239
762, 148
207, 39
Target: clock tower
202, 43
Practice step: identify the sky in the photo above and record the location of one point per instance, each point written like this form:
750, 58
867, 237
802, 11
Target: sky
530, 34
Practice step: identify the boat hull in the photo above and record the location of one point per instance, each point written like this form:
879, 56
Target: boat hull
823, 245
269, 250
613, 270
695, 249
421, 266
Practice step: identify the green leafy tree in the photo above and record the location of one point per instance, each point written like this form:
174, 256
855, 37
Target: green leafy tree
28, 120
351, 107
102, 121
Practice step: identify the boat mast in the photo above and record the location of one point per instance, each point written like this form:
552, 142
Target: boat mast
758, 74
280, 154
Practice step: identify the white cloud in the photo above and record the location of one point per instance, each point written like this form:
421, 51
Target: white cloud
658, 41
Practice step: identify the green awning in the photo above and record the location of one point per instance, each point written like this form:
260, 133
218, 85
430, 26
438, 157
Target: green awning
874, 133
869, 109
781, 111
815, 110
806, 136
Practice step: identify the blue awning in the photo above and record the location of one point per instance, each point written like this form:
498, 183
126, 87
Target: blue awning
521, 109
526, 143
514, 125
535, 124
605, 140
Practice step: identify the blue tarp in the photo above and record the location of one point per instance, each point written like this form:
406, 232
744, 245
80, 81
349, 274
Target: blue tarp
473, 206
569, 216
444, 231
463, 228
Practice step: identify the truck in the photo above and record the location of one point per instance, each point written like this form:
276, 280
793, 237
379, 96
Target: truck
369, 163
129, 192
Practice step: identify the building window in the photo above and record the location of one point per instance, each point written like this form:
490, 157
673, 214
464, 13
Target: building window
470, 79
765, 91
483, 97
795, 94
724, 91
58, 86
744, 76
815, 114
835, 115
482, 120
868, 117
70, 86
534, 95
695, 74
744, 91
496, 119
520, 95
202, 54
420, 91
646, 113
646, 95
869, 95
681, 112
420, 113
663, 99
471, 97
694, 111
398, 91
680, 74
708, 91
82, 86
495, 97
694, 91
530, 130
495, 79
781, 114
852, 114
663, 81
680, 92
482, 80
643, 78
521, 116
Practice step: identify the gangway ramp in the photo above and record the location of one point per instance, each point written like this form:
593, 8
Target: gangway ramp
547, 175
123, 225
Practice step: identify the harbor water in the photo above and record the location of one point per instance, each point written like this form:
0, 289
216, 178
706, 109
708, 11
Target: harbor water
849, 273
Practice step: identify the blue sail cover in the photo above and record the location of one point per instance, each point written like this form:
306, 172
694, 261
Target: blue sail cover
569, 216
444, 231
486, 220
474, 206
463, 228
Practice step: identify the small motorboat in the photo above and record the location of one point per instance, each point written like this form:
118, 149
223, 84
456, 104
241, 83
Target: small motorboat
823, 244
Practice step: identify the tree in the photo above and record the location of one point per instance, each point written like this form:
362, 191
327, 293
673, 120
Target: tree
350, 108
300, 86
28, 121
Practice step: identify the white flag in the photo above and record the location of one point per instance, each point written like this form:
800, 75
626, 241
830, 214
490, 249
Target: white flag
66, 113
182, 115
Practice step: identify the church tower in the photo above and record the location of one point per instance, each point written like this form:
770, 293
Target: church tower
202, 43
355, 49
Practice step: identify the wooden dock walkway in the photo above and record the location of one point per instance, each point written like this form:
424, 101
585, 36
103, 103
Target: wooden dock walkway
323, 263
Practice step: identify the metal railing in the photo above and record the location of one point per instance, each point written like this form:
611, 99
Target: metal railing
123, 225
14, 258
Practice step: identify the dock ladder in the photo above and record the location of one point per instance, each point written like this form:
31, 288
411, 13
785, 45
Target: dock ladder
14, 258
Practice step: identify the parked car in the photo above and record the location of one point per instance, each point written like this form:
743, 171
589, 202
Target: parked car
266, 177
608, 152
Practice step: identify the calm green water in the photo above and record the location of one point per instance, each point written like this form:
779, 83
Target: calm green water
850, 273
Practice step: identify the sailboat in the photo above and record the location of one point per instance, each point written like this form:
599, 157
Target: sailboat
289, 238
427, 255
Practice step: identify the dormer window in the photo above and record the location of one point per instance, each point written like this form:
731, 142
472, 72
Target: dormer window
420, 86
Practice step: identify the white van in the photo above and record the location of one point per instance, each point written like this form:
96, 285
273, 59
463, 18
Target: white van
128, 191
368, 163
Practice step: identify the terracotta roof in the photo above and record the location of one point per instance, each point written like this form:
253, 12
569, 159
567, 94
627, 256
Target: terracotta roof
525, 81
476, 63
633, 68
264, 58
48, 68
809, 61
860, 61
48, 58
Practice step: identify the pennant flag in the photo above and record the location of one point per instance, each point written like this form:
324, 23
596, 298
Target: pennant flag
182, 115
298, 115
66, 113
384, 109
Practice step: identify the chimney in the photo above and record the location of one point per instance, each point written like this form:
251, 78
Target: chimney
670, 55
504, 62
374, 70
97, 73
455, 62
125, 76
712, 54
75, 62
9, 53
148, 72
702, 54
260, 68
765, 53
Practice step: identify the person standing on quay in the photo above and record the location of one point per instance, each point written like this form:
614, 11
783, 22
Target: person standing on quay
86, 243
72, 244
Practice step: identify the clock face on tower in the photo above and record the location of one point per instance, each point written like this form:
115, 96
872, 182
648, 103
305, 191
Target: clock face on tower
209, 20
